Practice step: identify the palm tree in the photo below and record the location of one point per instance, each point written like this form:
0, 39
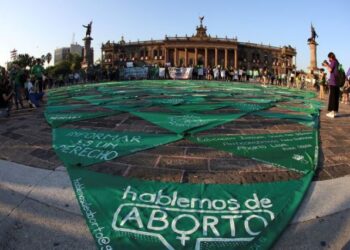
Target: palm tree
24, 60
48, 58
43, 59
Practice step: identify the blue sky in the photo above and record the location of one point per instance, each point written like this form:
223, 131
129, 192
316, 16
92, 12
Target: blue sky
37, 26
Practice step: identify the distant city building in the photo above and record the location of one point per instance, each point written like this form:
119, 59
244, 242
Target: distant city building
62, 54
76, 49
201, 49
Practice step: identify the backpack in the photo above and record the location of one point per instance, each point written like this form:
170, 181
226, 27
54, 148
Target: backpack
341, 77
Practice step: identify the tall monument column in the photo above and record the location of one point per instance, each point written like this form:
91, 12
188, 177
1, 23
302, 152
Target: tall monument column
313, 55
87, 56
313, 49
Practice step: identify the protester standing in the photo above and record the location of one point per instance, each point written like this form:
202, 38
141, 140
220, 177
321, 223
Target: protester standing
6, 94
19, 86
322, 84
333, 101
38, 71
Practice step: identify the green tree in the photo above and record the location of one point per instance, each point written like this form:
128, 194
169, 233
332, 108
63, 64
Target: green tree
48, 57
43, 59
75, 61
24, 60
63, 68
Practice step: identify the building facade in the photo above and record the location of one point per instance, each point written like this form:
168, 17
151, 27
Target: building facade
201, 49
76, 49
62, 54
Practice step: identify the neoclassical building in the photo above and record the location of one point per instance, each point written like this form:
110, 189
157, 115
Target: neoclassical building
200, 49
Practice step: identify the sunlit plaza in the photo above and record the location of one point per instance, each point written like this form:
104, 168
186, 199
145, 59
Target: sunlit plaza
161, 141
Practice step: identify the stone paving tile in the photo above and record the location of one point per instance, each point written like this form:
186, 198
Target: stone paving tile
183, 163
232, 164
321, 174
269, 176
206, 153
111, 168
168, 150
213, 177
12, 135
139, 159
43, 154
155, 174
338, 170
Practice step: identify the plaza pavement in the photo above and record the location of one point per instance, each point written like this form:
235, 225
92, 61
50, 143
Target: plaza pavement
38, 209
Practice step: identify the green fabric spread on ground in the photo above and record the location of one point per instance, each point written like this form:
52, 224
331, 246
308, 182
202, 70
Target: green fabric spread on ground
296, 151
132, 214
57, 119
180, 123
86, 147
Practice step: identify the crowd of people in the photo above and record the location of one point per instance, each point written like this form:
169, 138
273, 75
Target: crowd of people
21, 88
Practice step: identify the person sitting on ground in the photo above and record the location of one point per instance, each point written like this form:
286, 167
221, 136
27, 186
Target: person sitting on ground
6, 94
34, 98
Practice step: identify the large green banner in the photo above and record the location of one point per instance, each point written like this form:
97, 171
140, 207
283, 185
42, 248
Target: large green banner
296, 151
62, 108
188, 122
57, 119
77, 147
310, 120
132, 214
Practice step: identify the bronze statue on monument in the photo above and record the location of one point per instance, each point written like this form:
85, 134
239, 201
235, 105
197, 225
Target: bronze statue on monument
88, 51
313, 34
201, 18
313, 49
88, 29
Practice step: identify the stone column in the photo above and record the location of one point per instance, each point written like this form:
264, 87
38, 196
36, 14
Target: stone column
225, 58
175, 57
206, 57
195, 56
186, 58
165, 55
216, 57
87, 56
313, 55
236, 59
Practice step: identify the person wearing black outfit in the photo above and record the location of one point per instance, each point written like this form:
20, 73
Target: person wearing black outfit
6, 94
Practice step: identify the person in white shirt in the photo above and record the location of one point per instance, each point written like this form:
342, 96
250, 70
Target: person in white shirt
34, 98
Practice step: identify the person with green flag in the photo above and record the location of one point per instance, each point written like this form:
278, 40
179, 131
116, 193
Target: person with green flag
38, 72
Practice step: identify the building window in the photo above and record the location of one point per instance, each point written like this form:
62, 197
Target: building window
155, 53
